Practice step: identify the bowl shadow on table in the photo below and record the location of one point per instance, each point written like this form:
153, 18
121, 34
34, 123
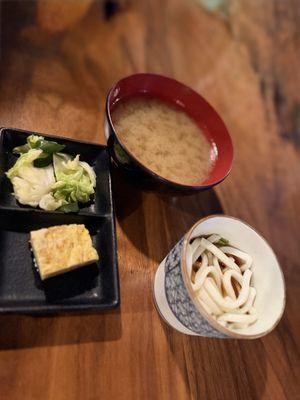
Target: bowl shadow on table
22, 331
154, 222
219, 368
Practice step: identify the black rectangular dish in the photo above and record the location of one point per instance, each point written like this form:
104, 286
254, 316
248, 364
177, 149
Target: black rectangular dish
90, 288
93, 154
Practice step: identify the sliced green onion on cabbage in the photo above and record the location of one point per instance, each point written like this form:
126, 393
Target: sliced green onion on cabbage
48, 148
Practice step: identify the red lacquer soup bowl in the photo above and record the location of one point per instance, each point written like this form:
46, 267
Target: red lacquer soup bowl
189, 101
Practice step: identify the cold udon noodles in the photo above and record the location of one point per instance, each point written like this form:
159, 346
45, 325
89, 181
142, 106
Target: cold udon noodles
221, 278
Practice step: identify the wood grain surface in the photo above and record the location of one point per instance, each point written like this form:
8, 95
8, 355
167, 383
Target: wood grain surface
245, 60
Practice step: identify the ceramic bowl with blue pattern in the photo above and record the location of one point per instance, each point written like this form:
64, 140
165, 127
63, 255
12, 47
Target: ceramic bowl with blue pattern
177, 303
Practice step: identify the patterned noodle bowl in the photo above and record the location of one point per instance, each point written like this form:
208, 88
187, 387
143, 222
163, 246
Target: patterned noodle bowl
177, 303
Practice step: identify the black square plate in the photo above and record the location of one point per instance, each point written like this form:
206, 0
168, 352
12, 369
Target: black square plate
93, 154
90, 288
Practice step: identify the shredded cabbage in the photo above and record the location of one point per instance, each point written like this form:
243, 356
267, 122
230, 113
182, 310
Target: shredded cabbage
31, 184
75, 181
61, 185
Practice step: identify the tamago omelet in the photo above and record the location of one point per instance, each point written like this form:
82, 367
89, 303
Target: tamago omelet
59, 249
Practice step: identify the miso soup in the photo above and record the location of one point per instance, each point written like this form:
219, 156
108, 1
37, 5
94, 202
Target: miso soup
164, 139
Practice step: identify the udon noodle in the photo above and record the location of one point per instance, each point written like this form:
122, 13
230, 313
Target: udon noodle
221, 278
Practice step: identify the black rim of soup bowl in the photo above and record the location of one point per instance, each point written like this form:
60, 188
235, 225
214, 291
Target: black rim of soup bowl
130, 167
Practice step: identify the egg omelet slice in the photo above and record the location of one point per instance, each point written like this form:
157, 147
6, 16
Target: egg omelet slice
59, 249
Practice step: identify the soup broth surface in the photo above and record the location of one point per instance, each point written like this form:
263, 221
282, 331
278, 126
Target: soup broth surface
164, 139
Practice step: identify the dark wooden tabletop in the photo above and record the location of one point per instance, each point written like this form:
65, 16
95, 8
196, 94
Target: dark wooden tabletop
57, 64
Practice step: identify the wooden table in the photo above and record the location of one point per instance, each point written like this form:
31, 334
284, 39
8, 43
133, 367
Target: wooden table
245, 61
